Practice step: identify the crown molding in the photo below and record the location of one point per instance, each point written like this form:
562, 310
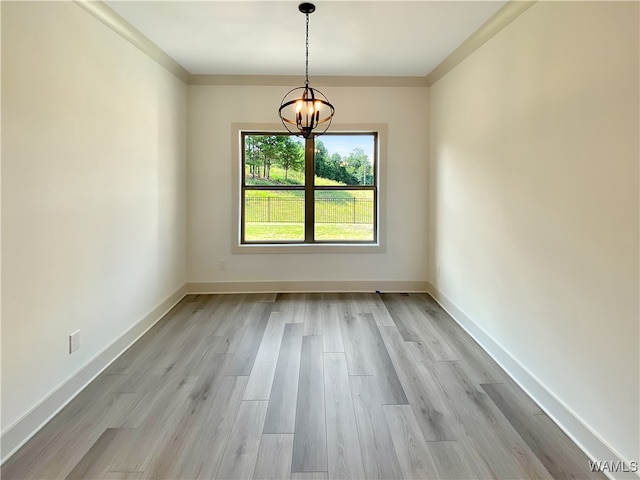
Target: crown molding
503, 17
115, 22
322, 81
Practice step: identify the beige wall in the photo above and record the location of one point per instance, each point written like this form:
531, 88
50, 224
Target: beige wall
93, 194
212, 110
534, 204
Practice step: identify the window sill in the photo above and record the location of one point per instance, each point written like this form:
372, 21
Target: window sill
337, 248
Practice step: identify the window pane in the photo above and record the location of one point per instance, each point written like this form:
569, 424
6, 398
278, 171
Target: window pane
273, 160
344, 215
345, 160
273, 216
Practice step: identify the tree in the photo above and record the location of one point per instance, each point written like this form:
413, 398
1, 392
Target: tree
290, 155
322, 167
359, 167
269, 152
333, 167
252, 155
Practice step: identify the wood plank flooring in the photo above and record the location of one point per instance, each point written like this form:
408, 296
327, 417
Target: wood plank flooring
301, 386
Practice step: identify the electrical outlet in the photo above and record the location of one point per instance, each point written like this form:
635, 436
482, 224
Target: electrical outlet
222, 264
74, 341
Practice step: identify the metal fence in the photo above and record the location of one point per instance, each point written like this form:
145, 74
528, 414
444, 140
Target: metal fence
291, 210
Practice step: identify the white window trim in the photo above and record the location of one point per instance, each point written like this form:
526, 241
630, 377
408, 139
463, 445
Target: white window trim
236, 159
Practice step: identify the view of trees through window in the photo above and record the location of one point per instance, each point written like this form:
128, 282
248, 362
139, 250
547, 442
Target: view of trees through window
275, 191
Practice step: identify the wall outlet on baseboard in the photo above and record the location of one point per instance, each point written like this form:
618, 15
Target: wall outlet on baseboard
74, 341
222, 264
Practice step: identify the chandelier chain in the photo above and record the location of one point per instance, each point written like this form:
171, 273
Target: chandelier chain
306, 81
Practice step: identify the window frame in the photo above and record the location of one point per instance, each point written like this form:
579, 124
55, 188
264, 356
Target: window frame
238, 133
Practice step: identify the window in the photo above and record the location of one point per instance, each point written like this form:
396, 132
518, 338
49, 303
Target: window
322, 191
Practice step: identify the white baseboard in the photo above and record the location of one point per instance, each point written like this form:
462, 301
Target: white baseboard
309, 286
21, 431
582, 435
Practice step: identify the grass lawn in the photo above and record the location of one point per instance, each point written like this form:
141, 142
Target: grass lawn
344, 231
295, 232
273, 232
277, 215
288, 207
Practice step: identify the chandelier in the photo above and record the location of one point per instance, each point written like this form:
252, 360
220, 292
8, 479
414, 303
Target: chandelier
305, 111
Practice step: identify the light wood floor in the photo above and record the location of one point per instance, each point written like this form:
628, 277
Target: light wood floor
302, 386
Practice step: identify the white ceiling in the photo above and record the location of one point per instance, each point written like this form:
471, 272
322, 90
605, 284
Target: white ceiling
347, 38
